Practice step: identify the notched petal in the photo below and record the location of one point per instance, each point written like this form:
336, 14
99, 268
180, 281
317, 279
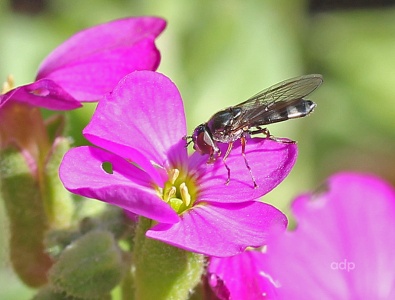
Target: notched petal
107, 167
95, 173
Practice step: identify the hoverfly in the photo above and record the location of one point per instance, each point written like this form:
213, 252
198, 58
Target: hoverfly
277, 103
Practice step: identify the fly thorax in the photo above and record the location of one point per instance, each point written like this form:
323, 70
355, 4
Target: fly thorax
222, 124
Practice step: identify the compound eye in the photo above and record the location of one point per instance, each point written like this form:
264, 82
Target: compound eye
200, 145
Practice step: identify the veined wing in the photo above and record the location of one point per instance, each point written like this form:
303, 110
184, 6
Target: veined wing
279, 102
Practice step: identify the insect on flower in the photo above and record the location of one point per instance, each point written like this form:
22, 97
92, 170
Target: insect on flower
277, 103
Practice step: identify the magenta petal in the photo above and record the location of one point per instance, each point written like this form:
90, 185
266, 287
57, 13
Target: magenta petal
345, 243
145, 113
43, 93
241, 276
128, 187
222, 229
270, 163
91, 62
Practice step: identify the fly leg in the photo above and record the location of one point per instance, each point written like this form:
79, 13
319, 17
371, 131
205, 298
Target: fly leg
214, 154
258, 130
243, 148
266, 132
230, 146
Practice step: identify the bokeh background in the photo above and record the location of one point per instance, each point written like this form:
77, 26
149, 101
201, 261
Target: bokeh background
219, 53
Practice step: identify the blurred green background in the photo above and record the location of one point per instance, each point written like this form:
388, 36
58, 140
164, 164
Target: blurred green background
219, 53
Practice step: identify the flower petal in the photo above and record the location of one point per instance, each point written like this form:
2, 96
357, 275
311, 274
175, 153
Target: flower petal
241, 277
222, 229
91, 62
145, 113
43, 93
345, 243
82, 172
270, 163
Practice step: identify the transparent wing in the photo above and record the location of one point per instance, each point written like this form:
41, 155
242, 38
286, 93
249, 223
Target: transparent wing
276, 99
288, 90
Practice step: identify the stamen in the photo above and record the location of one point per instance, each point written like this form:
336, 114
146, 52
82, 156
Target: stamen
173, 175
8, 85
169, 193
185, 196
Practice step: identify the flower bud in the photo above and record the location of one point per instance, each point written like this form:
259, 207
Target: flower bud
89, 268
26, 215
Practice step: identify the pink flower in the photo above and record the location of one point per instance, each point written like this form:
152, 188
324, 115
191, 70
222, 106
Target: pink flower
90, 64
342, 248
145, 169
241, 277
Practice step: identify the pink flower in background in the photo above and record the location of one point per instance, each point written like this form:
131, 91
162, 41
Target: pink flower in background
90, 64
240, 277
342, 248
144, 168
83, 68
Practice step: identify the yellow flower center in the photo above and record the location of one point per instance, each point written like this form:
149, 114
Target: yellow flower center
179, 191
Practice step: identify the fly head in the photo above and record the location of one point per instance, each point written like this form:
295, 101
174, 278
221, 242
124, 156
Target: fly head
204, 143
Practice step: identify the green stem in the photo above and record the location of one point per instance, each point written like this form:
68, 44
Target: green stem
163, 272
127, 286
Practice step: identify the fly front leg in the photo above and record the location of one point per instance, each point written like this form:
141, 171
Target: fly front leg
266, 132
188, 140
